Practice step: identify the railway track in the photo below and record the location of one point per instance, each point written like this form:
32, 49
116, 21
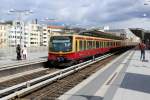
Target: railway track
22, 66
25, 77
53, 85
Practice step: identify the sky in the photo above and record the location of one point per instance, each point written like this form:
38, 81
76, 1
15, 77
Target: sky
83, 13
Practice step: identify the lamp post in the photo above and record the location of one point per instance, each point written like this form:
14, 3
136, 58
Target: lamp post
20, 13
144, 15
147, 2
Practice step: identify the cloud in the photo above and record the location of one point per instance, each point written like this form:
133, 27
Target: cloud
81, 12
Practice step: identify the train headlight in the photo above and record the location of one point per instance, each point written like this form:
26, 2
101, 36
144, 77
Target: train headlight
60, 52
60, 59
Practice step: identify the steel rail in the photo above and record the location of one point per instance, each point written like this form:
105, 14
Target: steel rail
32, 85
20, 64
19, 67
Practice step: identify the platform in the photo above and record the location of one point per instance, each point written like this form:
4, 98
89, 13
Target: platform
125, 78
31, 56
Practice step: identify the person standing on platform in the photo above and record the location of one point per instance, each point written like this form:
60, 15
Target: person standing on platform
142, 47
18, 51
24, 52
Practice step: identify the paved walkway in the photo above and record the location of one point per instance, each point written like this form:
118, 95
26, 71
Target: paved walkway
30, 56
136, 82
125, 78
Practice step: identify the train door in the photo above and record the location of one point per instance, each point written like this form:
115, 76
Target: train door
77, 45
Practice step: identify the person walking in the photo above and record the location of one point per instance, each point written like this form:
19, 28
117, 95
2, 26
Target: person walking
142, 47
18, 51
24, 52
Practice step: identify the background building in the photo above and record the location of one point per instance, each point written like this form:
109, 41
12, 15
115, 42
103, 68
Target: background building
16, 34
4, 29
30, 34
34, 32
45, 36
55, 30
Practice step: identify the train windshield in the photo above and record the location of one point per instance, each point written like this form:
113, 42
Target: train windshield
61, 43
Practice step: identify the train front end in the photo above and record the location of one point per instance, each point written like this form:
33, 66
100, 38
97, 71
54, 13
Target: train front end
60, 50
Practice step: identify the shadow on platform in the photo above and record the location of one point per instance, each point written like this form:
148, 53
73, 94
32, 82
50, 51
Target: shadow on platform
136, 82
85, 97
142, 66
44, 57
14, 59
134, 59
145, 60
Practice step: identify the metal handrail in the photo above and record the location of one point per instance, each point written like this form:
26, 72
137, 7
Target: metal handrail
32, 85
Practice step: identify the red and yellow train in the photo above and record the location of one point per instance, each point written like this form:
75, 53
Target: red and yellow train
66, 50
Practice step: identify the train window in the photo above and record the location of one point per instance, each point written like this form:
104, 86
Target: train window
60, 43
81, 45
89, 44
97, 44
113, 43
119, 43
104, 44
108, 44
93, 42
84, 45
101, 44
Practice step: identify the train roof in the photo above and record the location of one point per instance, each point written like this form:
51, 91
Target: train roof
86, 36
91, 37
95, 33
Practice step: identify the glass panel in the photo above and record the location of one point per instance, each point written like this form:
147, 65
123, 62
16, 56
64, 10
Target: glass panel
60, 43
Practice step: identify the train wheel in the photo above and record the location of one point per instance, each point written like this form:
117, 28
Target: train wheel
48, 64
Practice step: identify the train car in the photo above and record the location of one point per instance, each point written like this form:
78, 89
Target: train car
70, 49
